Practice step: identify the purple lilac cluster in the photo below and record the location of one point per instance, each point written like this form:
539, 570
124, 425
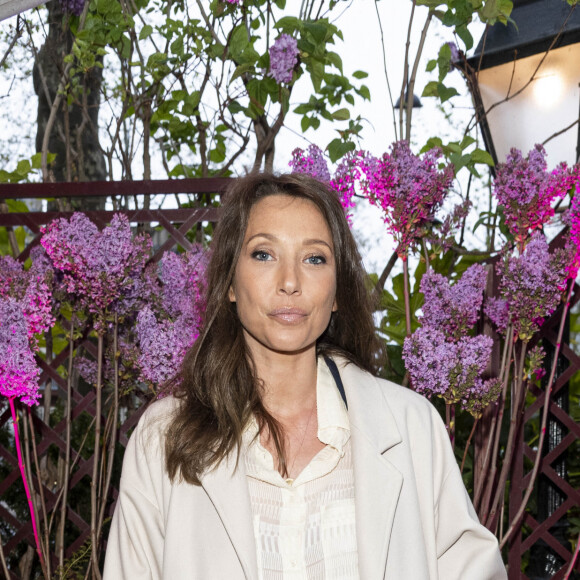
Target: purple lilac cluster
73, 6
530, 285
444, 237
310, 162
164, 334
18, 369
453, 309
441, 357
526, 190
409, 189
97, 266
283, 58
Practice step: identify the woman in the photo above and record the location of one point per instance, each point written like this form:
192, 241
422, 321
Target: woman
280, 455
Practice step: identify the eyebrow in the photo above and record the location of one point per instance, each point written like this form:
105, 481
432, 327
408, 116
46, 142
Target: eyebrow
307, 242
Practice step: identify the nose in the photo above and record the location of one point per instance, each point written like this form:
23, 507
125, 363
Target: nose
289, 279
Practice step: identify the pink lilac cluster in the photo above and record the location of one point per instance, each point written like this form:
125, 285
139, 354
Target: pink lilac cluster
526, 190
31, 289
409, 189
73, 6
310, 162
164, 334
345, 177
283, 58
573, 219
453, 309
536, 357
18, 369
530, 287
441, 356
97, 266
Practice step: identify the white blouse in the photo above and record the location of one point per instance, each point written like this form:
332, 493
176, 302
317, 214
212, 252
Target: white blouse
305, 529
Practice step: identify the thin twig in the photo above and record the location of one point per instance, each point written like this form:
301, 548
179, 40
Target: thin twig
467, 444
385, 69
67, 417
25, 478
573, 561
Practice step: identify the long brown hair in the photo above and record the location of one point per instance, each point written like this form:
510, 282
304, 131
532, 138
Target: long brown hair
218, 386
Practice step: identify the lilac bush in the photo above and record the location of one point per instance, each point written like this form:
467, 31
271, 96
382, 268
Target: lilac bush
442, 358
283, 58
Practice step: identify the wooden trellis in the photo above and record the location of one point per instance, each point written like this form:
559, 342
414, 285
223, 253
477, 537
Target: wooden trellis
536, 529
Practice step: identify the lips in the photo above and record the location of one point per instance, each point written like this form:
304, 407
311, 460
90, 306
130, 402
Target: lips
288, 315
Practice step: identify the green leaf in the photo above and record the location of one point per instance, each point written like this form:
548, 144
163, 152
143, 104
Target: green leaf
445, 93
364, 92
444, 61
431, 89
23, 168
338, 148
465, 35
341, 115
431, 65
288, 24
481, 156
360, 74
146, 32
240, 70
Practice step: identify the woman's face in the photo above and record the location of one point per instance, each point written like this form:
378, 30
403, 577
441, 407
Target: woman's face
285, 280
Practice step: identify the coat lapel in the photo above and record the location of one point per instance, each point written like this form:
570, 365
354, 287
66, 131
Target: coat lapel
377, 481
227, 489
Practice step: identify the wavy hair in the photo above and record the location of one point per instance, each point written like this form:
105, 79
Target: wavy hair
218, 388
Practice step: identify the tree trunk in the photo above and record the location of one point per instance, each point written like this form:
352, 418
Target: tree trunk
74, 136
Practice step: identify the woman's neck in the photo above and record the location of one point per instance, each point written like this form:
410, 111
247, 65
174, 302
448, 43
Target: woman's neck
289, 381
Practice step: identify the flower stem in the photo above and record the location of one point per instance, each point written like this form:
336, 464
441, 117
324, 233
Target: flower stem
468, 443
450, 422
96, 464
24, 478
406, 295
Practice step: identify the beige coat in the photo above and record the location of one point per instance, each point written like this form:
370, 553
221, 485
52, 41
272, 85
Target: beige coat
414, 518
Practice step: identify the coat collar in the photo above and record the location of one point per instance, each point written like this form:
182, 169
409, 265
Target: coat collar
377, 481
227, 489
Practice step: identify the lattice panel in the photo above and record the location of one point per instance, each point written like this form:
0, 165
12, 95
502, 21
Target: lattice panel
541, 540
51, 439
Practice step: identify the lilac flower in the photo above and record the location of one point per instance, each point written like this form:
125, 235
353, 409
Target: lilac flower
430, 360
525, 189
455, 53
409, 190
453, 309
536, 357
18, 369
163, 346
283, 58
444, 238
31, 290
311, 162
73, 6
573, 238
531, 284
97, 266
345, 177
451, 370
183, 278
498, 311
